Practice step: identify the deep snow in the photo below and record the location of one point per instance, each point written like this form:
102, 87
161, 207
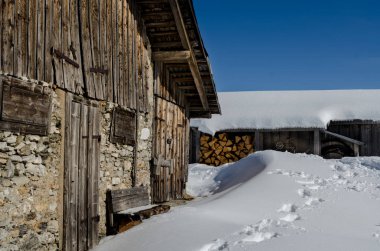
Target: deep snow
270, 201
290, 109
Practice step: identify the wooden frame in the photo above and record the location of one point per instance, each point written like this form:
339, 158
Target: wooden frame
25, 107
123, 127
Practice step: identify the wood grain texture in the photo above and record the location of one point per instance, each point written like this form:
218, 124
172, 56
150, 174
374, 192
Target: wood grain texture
81, 191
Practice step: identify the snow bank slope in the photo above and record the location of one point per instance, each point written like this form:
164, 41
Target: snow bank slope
270, 201
290, 109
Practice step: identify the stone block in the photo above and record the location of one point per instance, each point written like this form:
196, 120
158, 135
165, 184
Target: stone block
16, 158
20, 181
11, 139
116, 181
53, 226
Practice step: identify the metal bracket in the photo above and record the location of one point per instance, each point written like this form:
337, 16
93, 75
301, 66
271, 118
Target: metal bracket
60, 55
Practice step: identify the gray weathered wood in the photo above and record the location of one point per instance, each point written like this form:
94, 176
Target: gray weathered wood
123, 127
25, 106
167, 56
353, 141
124, 199
317, 142
81, 212
258, 140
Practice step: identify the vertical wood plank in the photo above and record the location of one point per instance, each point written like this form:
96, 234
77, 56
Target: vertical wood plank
120, 38
48, 42
102, 47
32, 33
87, 43
139, 65
94, 37
83, 180
8, 38
134, 55
21, 38
74, 173
109, 50
115, 56
94, 176
67, 174
129, 57
57, 44
77, 79
17, 38
66, 38
40, 60
90, 163
317, 142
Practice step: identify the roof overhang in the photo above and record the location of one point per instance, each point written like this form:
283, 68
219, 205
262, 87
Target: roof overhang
176, 42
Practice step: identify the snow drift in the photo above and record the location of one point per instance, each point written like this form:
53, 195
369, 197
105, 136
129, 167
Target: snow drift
290, 109
270, 201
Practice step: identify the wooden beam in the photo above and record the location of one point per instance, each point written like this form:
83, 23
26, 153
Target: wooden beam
187, 45
185, 87
168, 56
258, 141
183, 80
317, 142
336, 135
166, 44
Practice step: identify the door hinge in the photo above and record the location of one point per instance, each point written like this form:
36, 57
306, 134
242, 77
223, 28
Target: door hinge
96, 218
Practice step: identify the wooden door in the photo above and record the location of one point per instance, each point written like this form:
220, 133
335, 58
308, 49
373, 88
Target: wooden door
170, 152
81, 195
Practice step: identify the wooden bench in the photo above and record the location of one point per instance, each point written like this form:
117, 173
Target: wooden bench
127, 208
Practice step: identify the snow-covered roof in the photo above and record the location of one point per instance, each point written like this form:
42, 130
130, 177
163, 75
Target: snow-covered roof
290, 109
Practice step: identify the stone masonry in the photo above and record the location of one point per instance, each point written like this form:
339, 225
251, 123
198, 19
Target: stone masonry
29, 191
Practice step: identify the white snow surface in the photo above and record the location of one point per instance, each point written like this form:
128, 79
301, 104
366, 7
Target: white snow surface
290, 109
269, 201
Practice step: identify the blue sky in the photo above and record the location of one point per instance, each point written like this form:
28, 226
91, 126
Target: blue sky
292, 44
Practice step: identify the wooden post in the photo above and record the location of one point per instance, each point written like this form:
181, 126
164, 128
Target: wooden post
258, 140
317, 142
194, 145
356, 150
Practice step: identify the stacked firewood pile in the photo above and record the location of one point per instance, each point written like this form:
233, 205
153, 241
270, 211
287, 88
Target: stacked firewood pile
223, 148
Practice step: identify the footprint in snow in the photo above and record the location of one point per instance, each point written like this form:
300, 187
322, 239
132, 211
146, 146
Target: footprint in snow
287, 208
313, 201
290, 217
216, 245
260, 237
304, 193
376, 235
260, 232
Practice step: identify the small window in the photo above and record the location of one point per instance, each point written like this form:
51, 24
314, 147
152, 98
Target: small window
123, 128
25, 107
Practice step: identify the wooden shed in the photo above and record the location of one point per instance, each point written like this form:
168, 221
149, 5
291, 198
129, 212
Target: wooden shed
324, 123
95, 96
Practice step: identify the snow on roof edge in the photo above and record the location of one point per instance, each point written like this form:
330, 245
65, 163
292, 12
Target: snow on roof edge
276, 110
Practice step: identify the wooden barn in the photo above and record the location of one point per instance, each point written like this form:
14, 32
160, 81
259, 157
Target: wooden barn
333, 124
96, 98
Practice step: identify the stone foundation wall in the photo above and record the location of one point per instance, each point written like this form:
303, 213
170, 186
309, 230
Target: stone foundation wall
117, 161
29, 187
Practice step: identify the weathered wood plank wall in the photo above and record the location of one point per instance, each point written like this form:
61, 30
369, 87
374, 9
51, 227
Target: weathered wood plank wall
291, 141
171, 144
93, 48
366, 131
